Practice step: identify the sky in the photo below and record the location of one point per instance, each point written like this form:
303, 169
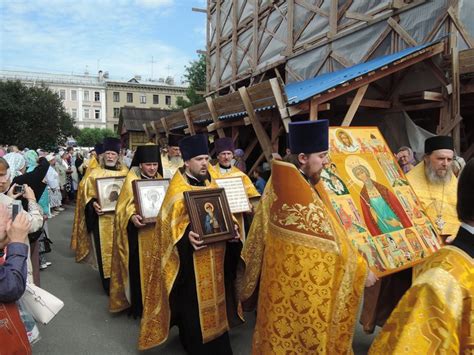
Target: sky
118, 36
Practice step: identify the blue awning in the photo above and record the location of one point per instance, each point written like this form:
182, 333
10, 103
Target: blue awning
304, 90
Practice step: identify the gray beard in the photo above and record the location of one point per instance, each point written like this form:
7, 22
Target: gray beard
175, 160
109, 164
433, 178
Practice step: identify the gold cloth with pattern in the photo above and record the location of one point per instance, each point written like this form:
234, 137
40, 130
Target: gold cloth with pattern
106, 222
435, 316
119, 279
252, 192
79, 221
311, 280
434, 201
171, 224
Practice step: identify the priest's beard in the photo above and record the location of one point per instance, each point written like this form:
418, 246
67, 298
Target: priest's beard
174, 160
433, 177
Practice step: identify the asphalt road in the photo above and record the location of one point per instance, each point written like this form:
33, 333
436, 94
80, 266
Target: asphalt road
84, 325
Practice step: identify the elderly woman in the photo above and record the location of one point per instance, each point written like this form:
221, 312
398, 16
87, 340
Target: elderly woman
406, 159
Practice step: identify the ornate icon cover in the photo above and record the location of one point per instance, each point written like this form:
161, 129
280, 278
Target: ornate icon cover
373, 201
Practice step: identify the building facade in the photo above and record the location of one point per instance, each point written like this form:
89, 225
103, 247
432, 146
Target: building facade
83, 96
137, 94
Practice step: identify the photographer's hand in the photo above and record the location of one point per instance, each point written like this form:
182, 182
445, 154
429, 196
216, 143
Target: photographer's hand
4, 217
11, 194
17, 230
29, 193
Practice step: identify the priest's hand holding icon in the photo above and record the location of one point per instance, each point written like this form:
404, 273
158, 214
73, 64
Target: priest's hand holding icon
236, 239
137, 221
371, 279
196, 241
97, 208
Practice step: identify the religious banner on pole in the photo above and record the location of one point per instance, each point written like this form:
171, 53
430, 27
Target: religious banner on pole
373, 201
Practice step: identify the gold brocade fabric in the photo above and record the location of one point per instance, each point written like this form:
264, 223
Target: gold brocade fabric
170, 168
171, 224
106, 222
119, 279
79, 221
434, 201
311, 280
252, 192
435, 316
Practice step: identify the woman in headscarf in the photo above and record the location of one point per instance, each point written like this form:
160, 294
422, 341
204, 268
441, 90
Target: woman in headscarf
17, 164
31, 158
406, 159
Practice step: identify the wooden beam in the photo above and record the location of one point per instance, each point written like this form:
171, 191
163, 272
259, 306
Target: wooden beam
262, 155
437, 71
218, 73
257, 125
235, 24
189, 121
312, 8
195, 9
255, 35
313, 110
354, 105
333, 19
446, 130
165, 125
421, 96
304, 107
290, 27
281, 102
402, 32
371, 103
359, 16
215, 116
460, 27
456, 95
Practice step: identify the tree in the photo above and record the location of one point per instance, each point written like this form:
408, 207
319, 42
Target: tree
89, 137
196, 78
32, 117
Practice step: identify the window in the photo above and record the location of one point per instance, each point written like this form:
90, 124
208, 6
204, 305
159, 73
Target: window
73, 95
116, 97
74, 113
129, 97
86, 114
168, 100
86, 95
143, 99
97, 96
62, 94
115, 127
97, 114
116, 112
156, 99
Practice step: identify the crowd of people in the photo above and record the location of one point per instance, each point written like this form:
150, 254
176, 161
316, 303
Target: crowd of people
287, 259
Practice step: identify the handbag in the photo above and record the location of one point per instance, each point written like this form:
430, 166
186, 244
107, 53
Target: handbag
13, 338
40, 303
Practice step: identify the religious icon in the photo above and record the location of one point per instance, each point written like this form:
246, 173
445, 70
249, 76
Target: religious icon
210, 215
148, 197
382, 211
108, 191
345, 142
332, 181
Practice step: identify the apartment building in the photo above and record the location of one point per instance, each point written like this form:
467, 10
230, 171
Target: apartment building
83, 96
139, 94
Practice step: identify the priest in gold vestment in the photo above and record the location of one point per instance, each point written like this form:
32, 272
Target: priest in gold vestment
133, 239
171, 159
435, 184
192, 283
436, 315
308, 276
80, 205
224, 148
94, 243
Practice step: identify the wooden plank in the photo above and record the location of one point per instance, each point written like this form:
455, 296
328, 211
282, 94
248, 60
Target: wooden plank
402, 32
255, 35
235, 24
312, 8
333, 19
358, 16
343, 61
354, 105
257, 126
189, 121
290, 26
460, 27
275, 132
466, 61
215, 117
437, 71
371, 103
218, 73
446, 130
165, 125
262, 155
455, 96
281, 102
421, 95
313, 110
195, 9
377, 43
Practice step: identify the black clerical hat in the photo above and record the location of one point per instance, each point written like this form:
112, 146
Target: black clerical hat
99, 148
438, 142
173, 140
112, 144
192, 146
308, 136
149, 153
224, 144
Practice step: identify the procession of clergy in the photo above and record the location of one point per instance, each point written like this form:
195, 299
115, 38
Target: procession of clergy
305, 280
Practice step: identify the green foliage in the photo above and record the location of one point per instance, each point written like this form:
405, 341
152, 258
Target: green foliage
88, 137
32, 117
196, 78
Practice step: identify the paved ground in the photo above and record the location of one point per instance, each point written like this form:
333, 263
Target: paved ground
84, 326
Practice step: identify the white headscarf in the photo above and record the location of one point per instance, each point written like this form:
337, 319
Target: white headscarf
16, 162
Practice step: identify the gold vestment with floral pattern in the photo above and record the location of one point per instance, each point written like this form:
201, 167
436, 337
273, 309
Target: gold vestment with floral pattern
310, 279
